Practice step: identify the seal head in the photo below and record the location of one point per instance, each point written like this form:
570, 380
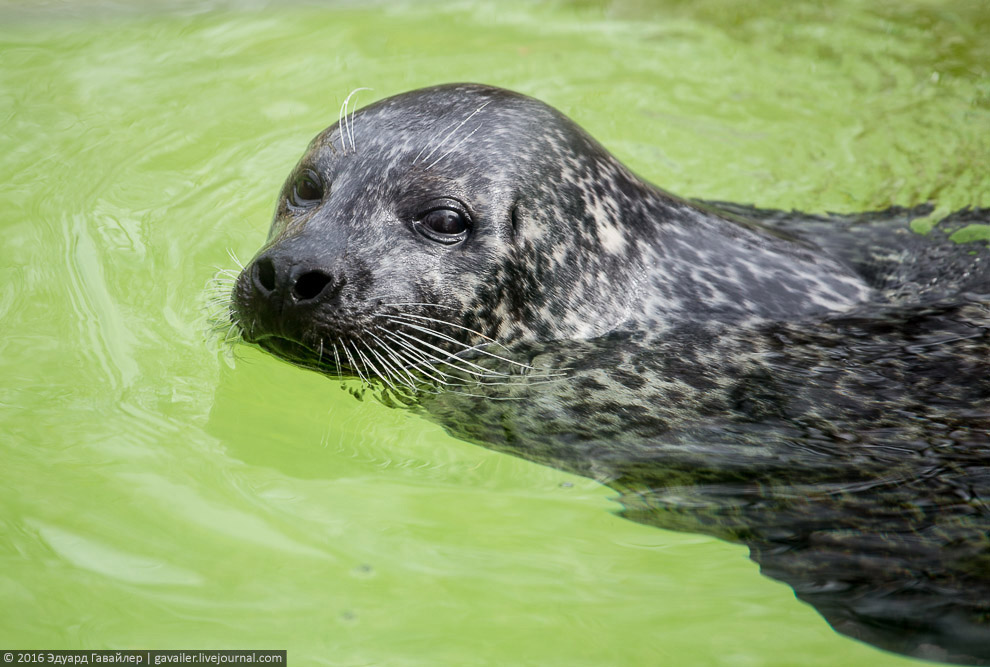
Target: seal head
451, 217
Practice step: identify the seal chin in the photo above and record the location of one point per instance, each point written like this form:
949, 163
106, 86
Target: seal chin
291, 351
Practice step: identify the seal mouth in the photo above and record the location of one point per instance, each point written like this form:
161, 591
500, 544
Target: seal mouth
299, 354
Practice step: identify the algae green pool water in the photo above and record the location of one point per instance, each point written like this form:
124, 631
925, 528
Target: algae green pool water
160, 493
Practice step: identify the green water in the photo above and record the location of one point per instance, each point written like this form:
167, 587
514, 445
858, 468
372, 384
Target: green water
156, 496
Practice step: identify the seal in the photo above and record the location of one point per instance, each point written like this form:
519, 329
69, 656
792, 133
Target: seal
484, 215
814, 387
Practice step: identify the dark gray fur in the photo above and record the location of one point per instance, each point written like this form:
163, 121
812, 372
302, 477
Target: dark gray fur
817, 388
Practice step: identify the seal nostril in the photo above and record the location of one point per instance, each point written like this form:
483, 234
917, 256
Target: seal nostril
264, 271
310, 285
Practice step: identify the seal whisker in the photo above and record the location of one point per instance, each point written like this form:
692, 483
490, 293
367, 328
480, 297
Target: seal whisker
449, 324
216, 299
469, 367
452, 149
354, 366
477, 348
348, 125
373, 370
336, 361
216, 305
370, 371
410, 354
237, 335
427, 358
234, 258
389, 371
432, 332
217, 293
467, 348
481, 370
418, 366
363, 375
218, 328
427, 144
510, 380
221, 328
220, 335
341, 125
229, 277
219, 290
422, 366
452, 132
215, 315
418, 357
222, 277
217, 309
397, 361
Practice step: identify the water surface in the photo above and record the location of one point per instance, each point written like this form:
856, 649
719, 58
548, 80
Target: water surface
159, 495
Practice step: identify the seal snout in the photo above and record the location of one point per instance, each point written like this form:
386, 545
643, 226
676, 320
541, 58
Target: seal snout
297, 283
285, 297
293, 283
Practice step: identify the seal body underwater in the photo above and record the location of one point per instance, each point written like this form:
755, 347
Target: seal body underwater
816, 387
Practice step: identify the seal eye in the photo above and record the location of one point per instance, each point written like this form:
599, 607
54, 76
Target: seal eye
445, 221
443, 225
307, 190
